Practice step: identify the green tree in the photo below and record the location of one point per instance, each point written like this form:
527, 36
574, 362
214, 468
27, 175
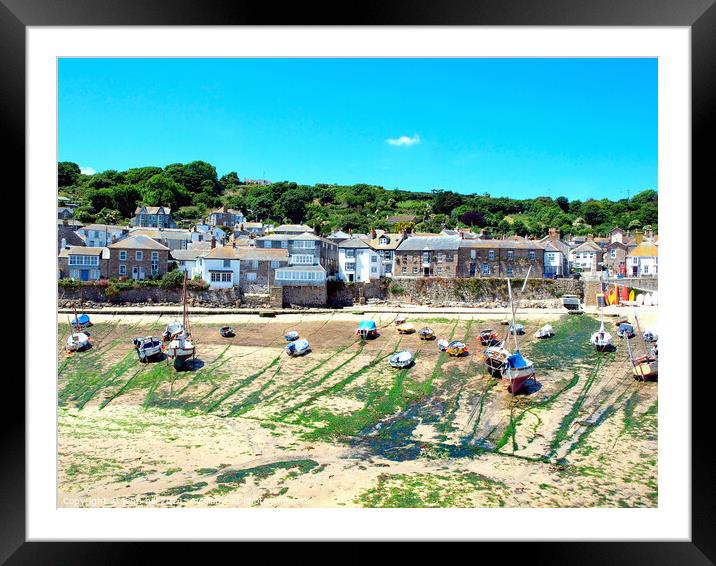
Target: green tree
67, 173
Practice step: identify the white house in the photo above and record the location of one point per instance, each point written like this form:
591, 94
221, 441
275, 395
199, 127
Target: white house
643, 260
357, 261
385, 244
586, 257
204, 232
101, 235
220, 268
186, 260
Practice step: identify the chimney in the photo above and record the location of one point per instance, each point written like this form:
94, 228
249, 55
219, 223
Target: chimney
372, 234
213, 242
404, 233
639, 236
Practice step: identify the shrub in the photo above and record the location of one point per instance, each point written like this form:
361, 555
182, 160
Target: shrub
172, 279
69, 283
397, 289
198, 284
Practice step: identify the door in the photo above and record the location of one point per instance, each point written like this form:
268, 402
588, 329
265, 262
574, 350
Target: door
84, 275
426, 272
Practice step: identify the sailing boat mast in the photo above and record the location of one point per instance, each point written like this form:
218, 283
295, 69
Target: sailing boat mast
186, 312
512, 308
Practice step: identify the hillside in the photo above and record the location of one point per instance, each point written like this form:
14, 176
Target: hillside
194, 188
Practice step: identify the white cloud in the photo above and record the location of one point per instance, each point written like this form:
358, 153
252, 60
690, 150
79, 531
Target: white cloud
87, 170
404, 140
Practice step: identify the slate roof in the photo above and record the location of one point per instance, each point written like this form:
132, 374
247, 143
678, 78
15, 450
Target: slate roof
138, 242
418, 243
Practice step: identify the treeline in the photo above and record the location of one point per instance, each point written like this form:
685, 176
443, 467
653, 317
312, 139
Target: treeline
192, 189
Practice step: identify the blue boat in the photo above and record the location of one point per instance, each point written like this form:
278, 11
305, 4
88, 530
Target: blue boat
298, 348
625, 330
291, 336
517, 329
82, 321
367, 329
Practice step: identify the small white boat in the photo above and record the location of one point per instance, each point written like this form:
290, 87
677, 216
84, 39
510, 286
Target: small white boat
406, 328
654, 299
298, 348
545, 332
173, 330
456, 348
651, 335
647, 300
148, 348
495, 357
291, 336
400, 319
640, 299
443, 345
77, 341
601, 339
401, 359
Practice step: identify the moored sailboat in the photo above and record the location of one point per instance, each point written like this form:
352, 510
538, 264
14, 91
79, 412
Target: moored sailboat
516, 369
181, 347
601, 339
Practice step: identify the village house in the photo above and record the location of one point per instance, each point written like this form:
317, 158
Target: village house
500, 258
357, 261
220, 267
292, 229
138, 257
385, 244
205, 232
70, 222
586, 256
172, 238
556, 254
185, 260
65, 212
305, 249
427, 256
101, 235
251, 229
225, 216
153, 217
616, 252
258, 268
67, 236
643, 259
83, 263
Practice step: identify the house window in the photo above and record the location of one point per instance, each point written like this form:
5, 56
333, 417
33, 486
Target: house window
415, 269
284, 244
383, 240
440, 257
274, 264
613, 254
486, 269
491, 255
404, 270
122, 269
510, 255
440, 269
221, 277
532, 254
251, 276
374, 259
267, 243
350, 253
155, 263
139, 255
350, 266
305, 244
473, 254
645, 269
123, 255
426, 257
302, 259
255, 263
448, 257
509, 271
227, 263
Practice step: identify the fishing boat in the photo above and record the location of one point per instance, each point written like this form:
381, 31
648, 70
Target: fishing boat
81, 321
494, 358
181, 347
456, 348
517, 329
367, 329
426, 333
401, 359
545, 332
488, 337
646, 367
601, 339
406, 328
77, 341
650, 335
291, 336
443, 345
572, 303
297, 348
227, 331
173, 330
516, 369
148, 348
625, 330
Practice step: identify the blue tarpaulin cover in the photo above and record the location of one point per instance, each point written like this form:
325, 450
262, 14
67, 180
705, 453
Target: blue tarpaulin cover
516, 361
367, 325
82, 319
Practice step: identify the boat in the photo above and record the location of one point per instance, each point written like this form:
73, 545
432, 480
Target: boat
401, 359
367, 329
504, 322
297, 348
545, 332
651, 335
494, 358
406, 328
148, 348
572, 303
632, 296
517, 329
654, 299
516, 369
488, 337
625, 330
291, 336
623, 294
181, 347
601, 339
227, 331
173, 330
443, 345
646, 367
456, 348
426, 333
81, 321
400, 319
77, 341
640, 299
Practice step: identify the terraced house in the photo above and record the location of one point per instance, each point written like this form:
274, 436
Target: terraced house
312, 259
152, 217
138, 257
427, 256
83, 263
251, 269
100, 235
500, 258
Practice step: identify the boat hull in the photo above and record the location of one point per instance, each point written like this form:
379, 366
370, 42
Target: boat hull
517, 377
645, 369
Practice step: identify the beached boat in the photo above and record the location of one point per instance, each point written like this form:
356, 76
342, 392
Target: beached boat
625, 330
173, 330
646, 367
406, 328
401, 359
181, 347
651, 335
516, 369
443, 345
456, 348
148, 348
400, 319
426, 333
77, 341
572, 303
601, 339
298, 348
291, 336
367, 329
545, 332
81, 321
488, 337
227, 331
517, 329
494, 358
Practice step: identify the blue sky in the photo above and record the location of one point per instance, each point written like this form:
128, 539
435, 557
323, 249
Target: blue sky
512, 127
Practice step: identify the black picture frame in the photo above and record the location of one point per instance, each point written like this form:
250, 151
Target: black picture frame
16, 15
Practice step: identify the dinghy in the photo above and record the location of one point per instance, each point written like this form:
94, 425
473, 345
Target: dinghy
297, 348
227, 332
517, 329
77, 341
400, 319
601, 339
173, 330
401, 359
367, 329
180, 347
654, 299
81, 321
426, 333
517, 370
625, 330
291, 336
488, 337
148, 348
646, 367
494, 358
545, 332
406, 328
443, 345
640, 299
572, 303
650, 335
456, 348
